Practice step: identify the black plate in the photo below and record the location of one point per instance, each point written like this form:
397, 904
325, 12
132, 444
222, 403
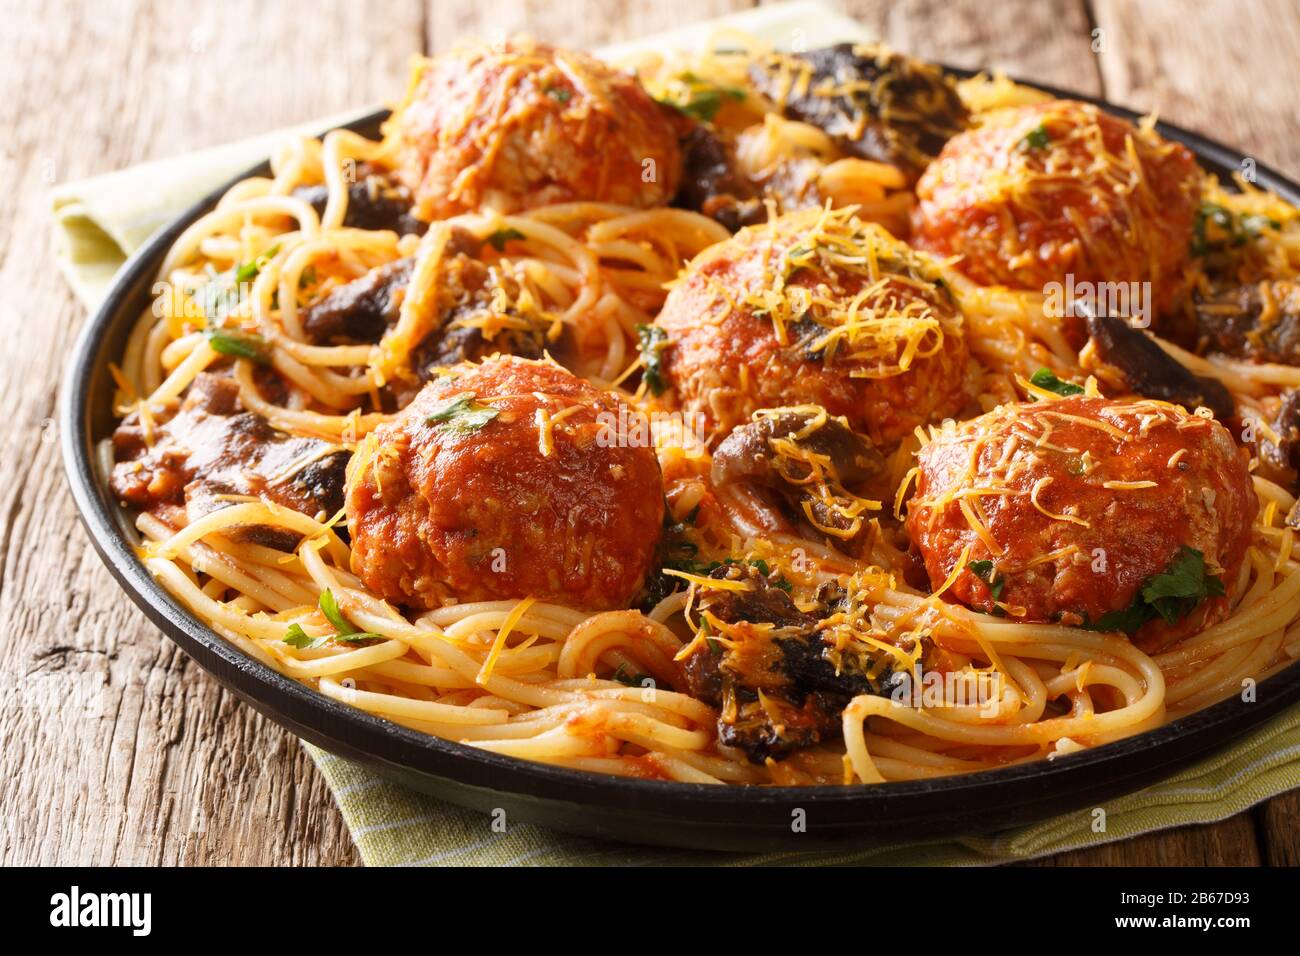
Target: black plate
642, 811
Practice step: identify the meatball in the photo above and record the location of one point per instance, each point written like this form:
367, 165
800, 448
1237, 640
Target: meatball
520, 125
1036, 193
815, 308
505, 480
1071, 509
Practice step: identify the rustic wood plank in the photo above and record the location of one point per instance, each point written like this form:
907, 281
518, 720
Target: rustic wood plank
117, 748
1229, 843
574, 23
1276, 821
1047, 41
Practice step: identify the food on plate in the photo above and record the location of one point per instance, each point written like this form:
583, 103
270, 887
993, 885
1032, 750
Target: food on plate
725, 416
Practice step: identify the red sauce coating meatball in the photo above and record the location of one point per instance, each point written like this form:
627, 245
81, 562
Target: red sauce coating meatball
1081, 501
520, 125
1038, 192
502, 481
816, 308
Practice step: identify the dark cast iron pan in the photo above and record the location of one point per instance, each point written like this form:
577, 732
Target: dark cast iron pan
641, 811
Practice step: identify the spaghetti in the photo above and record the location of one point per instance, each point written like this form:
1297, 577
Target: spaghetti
584, 280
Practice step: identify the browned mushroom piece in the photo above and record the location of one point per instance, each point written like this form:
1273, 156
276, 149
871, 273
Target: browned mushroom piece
875, 103
808, 459
1256, 320
711, 184
774, 649
375, 201
1152, 372
360, 310
1279, 448
482, 312
212, 452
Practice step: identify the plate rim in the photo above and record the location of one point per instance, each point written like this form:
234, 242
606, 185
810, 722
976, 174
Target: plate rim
371, 739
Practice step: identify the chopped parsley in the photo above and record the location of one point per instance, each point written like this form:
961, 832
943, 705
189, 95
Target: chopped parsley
653, 340
243, 345
676, 554
1170, 596
1237, 230
559, 94
344, 632
1044, 378
462, 415
222, 292
1036, 138
624, 676
248, 271
698, 98
984, 571
499, 238
297, 637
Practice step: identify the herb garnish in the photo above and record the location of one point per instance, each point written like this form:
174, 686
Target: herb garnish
1240, 230
248, 271
984, 571
1171, 595
700, 99
1036, 138
462, 415
623, 676
222, 292
499, 238
1044, 378
559, 94
344, 632
652, 340
243, 345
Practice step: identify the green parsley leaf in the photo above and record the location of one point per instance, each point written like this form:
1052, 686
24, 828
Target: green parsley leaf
1170, 595
345, 632
1238, 231
297, 637
330, 608
238, 344
462, 415
653, 340
1128, 620
248, 271
1044, 378
624, 676
559, 94
1036, 138
699, 98
1184, 585
499, 238
984, 571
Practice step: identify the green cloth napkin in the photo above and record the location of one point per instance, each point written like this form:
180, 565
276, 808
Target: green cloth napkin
100, 221
393, 826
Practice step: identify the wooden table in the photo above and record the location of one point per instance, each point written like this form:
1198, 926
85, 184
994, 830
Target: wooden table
117, 749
